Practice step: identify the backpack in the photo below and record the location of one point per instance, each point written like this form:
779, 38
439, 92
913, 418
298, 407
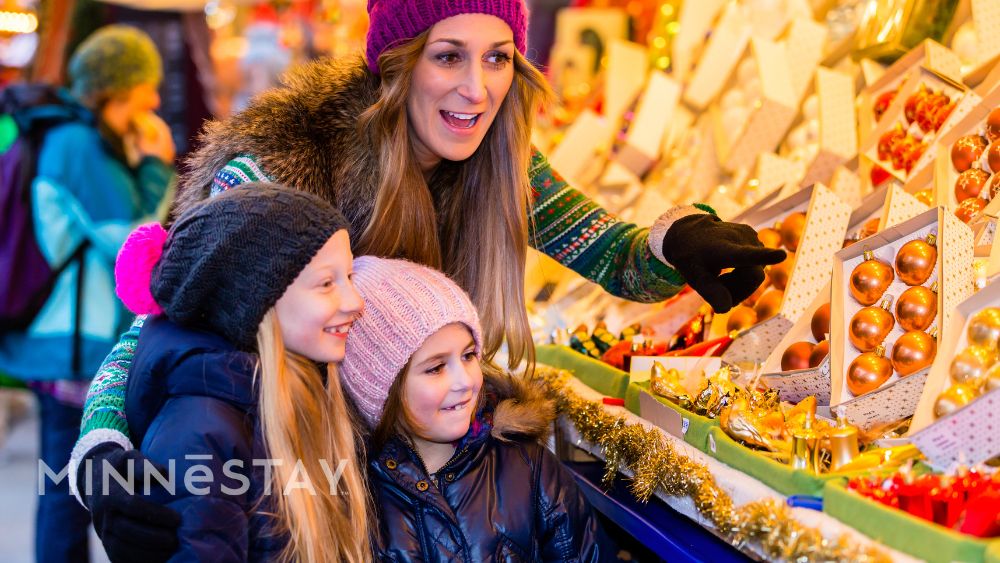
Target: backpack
26, 278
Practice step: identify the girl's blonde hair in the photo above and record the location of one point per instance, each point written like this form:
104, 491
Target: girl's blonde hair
305, 419
476, 230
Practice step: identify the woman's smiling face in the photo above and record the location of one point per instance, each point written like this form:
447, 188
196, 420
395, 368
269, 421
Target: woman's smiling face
458, 86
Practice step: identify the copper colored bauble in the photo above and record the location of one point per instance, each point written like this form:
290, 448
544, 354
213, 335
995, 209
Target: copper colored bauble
870, 326
741, 318
870, 279
966, 151
916, 308
903, 153
870, 227
791, 230
868, 372
953, 399
983, 329
888, 141
769, 237
780, 272
970, 365
819, 353
970, 183
913, 352
820, 323
925, 197
768, 304
927, 109
969, 208
916, 259
882, 103
796, 356
993, 156
993, 125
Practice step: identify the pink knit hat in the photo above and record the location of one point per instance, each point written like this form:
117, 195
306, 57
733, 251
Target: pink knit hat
405, 304
392, 22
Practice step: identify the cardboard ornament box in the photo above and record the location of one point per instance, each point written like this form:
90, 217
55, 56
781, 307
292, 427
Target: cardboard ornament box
970, 435
972, 123
897, 397
823, 234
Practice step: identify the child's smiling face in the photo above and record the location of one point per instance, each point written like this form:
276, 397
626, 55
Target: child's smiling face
317, 310
442, 385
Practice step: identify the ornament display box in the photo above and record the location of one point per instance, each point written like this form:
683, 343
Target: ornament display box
909, 534
826, 222
896, 398
795, 385
972, 434
971, 124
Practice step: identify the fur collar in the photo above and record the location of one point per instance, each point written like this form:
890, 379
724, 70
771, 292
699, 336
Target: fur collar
521, 411
304, 134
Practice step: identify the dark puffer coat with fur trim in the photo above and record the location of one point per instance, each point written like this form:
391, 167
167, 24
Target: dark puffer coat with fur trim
501, 497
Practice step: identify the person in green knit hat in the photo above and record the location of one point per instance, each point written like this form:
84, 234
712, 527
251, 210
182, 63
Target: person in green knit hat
97, 176
424, 145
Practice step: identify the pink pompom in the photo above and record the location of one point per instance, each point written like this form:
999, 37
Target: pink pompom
134, 268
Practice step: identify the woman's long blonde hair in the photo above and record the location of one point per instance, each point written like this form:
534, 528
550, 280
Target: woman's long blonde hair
475, 230
304, 418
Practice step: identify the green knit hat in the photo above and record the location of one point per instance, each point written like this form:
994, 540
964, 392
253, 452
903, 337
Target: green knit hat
114, 58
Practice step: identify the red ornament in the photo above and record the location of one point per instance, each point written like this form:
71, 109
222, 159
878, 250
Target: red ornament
966, 151
942, 114
993, 156
796, 356
820, 324
902, 152
969, 208
887, 142
970, 183
926, 111
879, 175
883, 102
993, 125
910, 107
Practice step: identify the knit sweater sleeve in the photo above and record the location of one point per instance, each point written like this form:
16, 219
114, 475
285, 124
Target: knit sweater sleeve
104, 410
579, 234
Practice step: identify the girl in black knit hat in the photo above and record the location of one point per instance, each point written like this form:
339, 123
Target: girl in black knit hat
247, 295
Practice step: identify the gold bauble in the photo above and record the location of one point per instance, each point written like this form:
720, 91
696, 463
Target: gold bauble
970, 365
984, 328
953, 398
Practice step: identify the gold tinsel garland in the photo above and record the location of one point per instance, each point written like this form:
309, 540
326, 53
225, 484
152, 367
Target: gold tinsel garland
656, 465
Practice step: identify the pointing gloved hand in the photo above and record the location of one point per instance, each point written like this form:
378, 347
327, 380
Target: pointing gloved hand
700, 246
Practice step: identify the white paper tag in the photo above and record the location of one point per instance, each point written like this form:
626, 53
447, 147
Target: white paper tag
793, 386
887, 405
661, 415
969, 436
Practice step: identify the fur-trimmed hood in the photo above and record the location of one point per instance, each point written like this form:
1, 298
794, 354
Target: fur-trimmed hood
304, 134
521, 411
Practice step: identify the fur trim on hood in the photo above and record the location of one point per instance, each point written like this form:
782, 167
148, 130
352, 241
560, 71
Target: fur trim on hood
304, 134
522, 410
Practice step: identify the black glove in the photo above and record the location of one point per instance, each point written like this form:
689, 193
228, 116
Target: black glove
132, 528
700, 246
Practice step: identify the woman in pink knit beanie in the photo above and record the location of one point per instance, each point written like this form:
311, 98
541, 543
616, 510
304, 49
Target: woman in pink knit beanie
456, 469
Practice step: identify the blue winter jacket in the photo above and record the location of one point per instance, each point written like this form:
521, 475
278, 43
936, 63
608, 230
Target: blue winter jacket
191, 403
501, 497
82, 192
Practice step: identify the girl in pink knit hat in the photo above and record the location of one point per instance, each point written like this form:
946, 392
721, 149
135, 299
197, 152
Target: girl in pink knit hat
456, 468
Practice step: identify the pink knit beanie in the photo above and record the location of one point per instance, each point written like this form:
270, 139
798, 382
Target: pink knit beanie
393, 22
405, 304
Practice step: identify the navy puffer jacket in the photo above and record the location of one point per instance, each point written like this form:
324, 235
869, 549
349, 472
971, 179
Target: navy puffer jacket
501, 497
191, 401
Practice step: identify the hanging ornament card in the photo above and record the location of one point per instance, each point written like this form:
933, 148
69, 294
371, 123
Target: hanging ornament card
894, 292
822, 233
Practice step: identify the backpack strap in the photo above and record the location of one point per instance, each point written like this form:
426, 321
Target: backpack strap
77, 256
